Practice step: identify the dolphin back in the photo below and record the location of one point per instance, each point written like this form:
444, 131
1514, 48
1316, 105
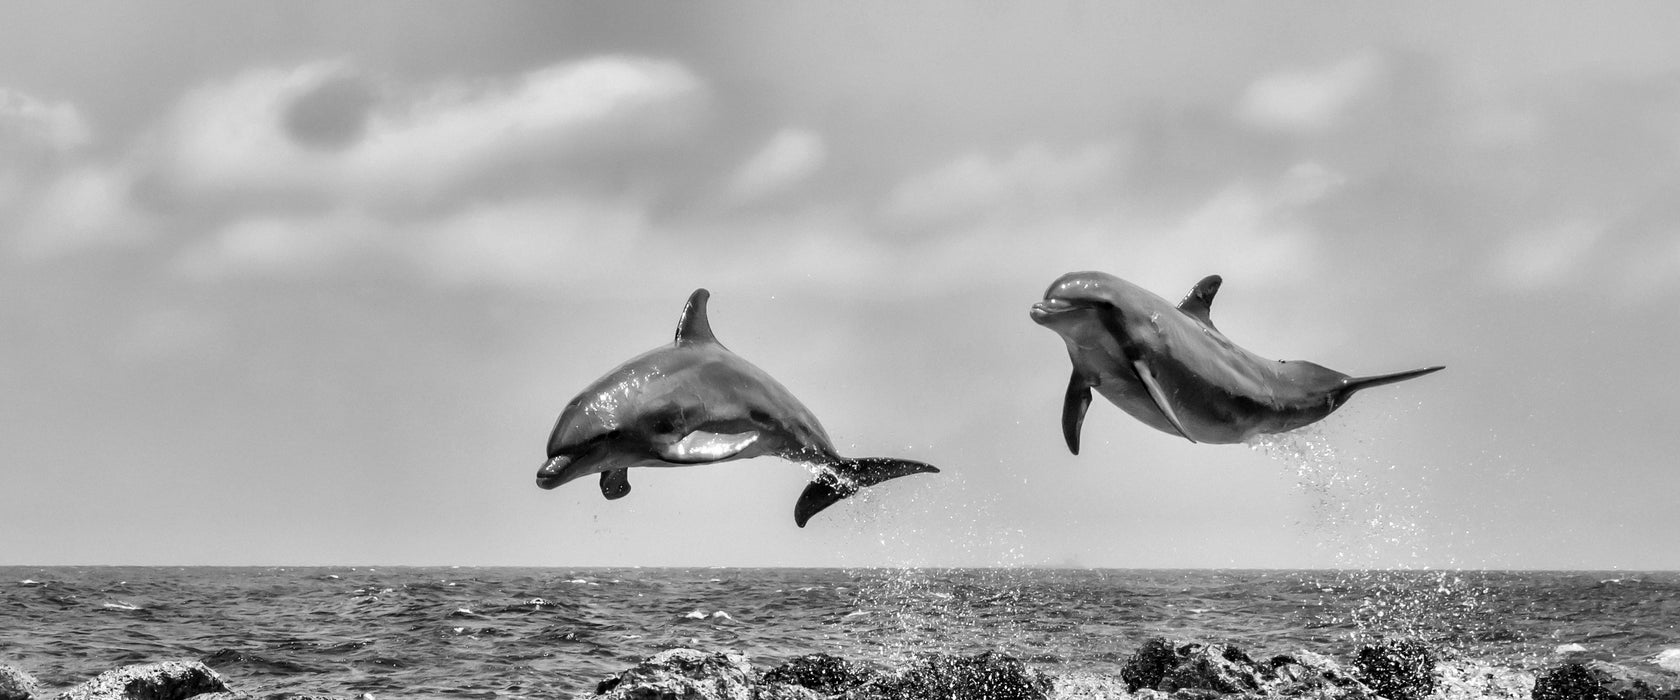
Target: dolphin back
844, 476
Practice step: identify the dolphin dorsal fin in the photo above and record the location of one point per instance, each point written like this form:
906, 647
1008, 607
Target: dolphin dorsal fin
1199, 302
693, 327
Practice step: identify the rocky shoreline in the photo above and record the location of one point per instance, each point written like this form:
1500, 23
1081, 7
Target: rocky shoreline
1160, 669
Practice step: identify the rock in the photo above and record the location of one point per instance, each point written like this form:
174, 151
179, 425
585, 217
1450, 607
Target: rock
1399, 669
1305, 673
988, 676
1216, 667
1195, 694
17, 685
784, 691
165, 680
685, 674
1152, 662
1085, 685
825, 674
1667, 659
1466, 679
1601, 680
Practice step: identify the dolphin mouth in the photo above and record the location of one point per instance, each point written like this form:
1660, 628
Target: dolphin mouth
556, 471
1051, 308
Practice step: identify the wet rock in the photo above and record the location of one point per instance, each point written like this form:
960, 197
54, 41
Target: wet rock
822, 673
1085, 685
1667, 659
783, 691
987, 676
17, 685
1398, 669
1308, 674
1601, 680
685, 674
1219, 668
1157, 657
1474, 678
165, 680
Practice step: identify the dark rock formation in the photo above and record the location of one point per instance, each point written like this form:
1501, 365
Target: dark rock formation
1216, 667
988, 676
165, 680
1184, 671
685, 674
1304, 673
1152, 662
1600, 680
1398, 669
17, 685
822, 673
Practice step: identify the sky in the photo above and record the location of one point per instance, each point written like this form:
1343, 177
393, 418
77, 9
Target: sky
308, 282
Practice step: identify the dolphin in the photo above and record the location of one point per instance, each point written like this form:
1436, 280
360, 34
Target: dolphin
695, 402
1169, 367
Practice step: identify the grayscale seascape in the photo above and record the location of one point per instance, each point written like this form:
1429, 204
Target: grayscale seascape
552, 633
839, 350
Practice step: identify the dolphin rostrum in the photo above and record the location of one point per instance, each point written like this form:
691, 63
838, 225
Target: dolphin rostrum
695, 402
1169, 367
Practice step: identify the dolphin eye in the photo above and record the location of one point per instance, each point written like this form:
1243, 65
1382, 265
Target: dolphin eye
663, 424
758, 415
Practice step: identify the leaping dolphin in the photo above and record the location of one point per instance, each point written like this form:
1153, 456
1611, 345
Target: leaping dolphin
695, 402
1169, 367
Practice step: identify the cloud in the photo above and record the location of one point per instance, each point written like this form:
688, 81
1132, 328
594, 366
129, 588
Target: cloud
30, 124
282, 246
1304, 101
791, 156
1544, 258
325, 130
526, 243
82, 208
553, 243
307, 169
333, 115
50, 199
1032, 179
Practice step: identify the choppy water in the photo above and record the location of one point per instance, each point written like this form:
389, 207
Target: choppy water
507, 632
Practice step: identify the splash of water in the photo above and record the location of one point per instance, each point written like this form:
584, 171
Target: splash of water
1374, 530
908, 608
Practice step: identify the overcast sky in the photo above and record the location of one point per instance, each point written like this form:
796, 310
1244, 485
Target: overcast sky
307, 283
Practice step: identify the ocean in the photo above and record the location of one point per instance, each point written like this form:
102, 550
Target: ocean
553, 633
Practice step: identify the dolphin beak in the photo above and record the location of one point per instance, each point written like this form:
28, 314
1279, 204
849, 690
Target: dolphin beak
1045, 310
558, 470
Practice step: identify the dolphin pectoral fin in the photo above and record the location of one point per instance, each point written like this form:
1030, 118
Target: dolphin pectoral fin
1147, 377
1198, 304
615, 483
1074, 405
700, 446
844, 477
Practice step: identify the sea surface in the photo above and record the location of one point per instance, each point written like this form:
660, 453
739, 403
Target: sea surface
552, 633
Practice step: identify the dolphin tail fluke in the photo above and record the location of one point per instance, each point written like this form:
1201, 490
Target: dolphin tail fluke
1354, 384
844, 476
